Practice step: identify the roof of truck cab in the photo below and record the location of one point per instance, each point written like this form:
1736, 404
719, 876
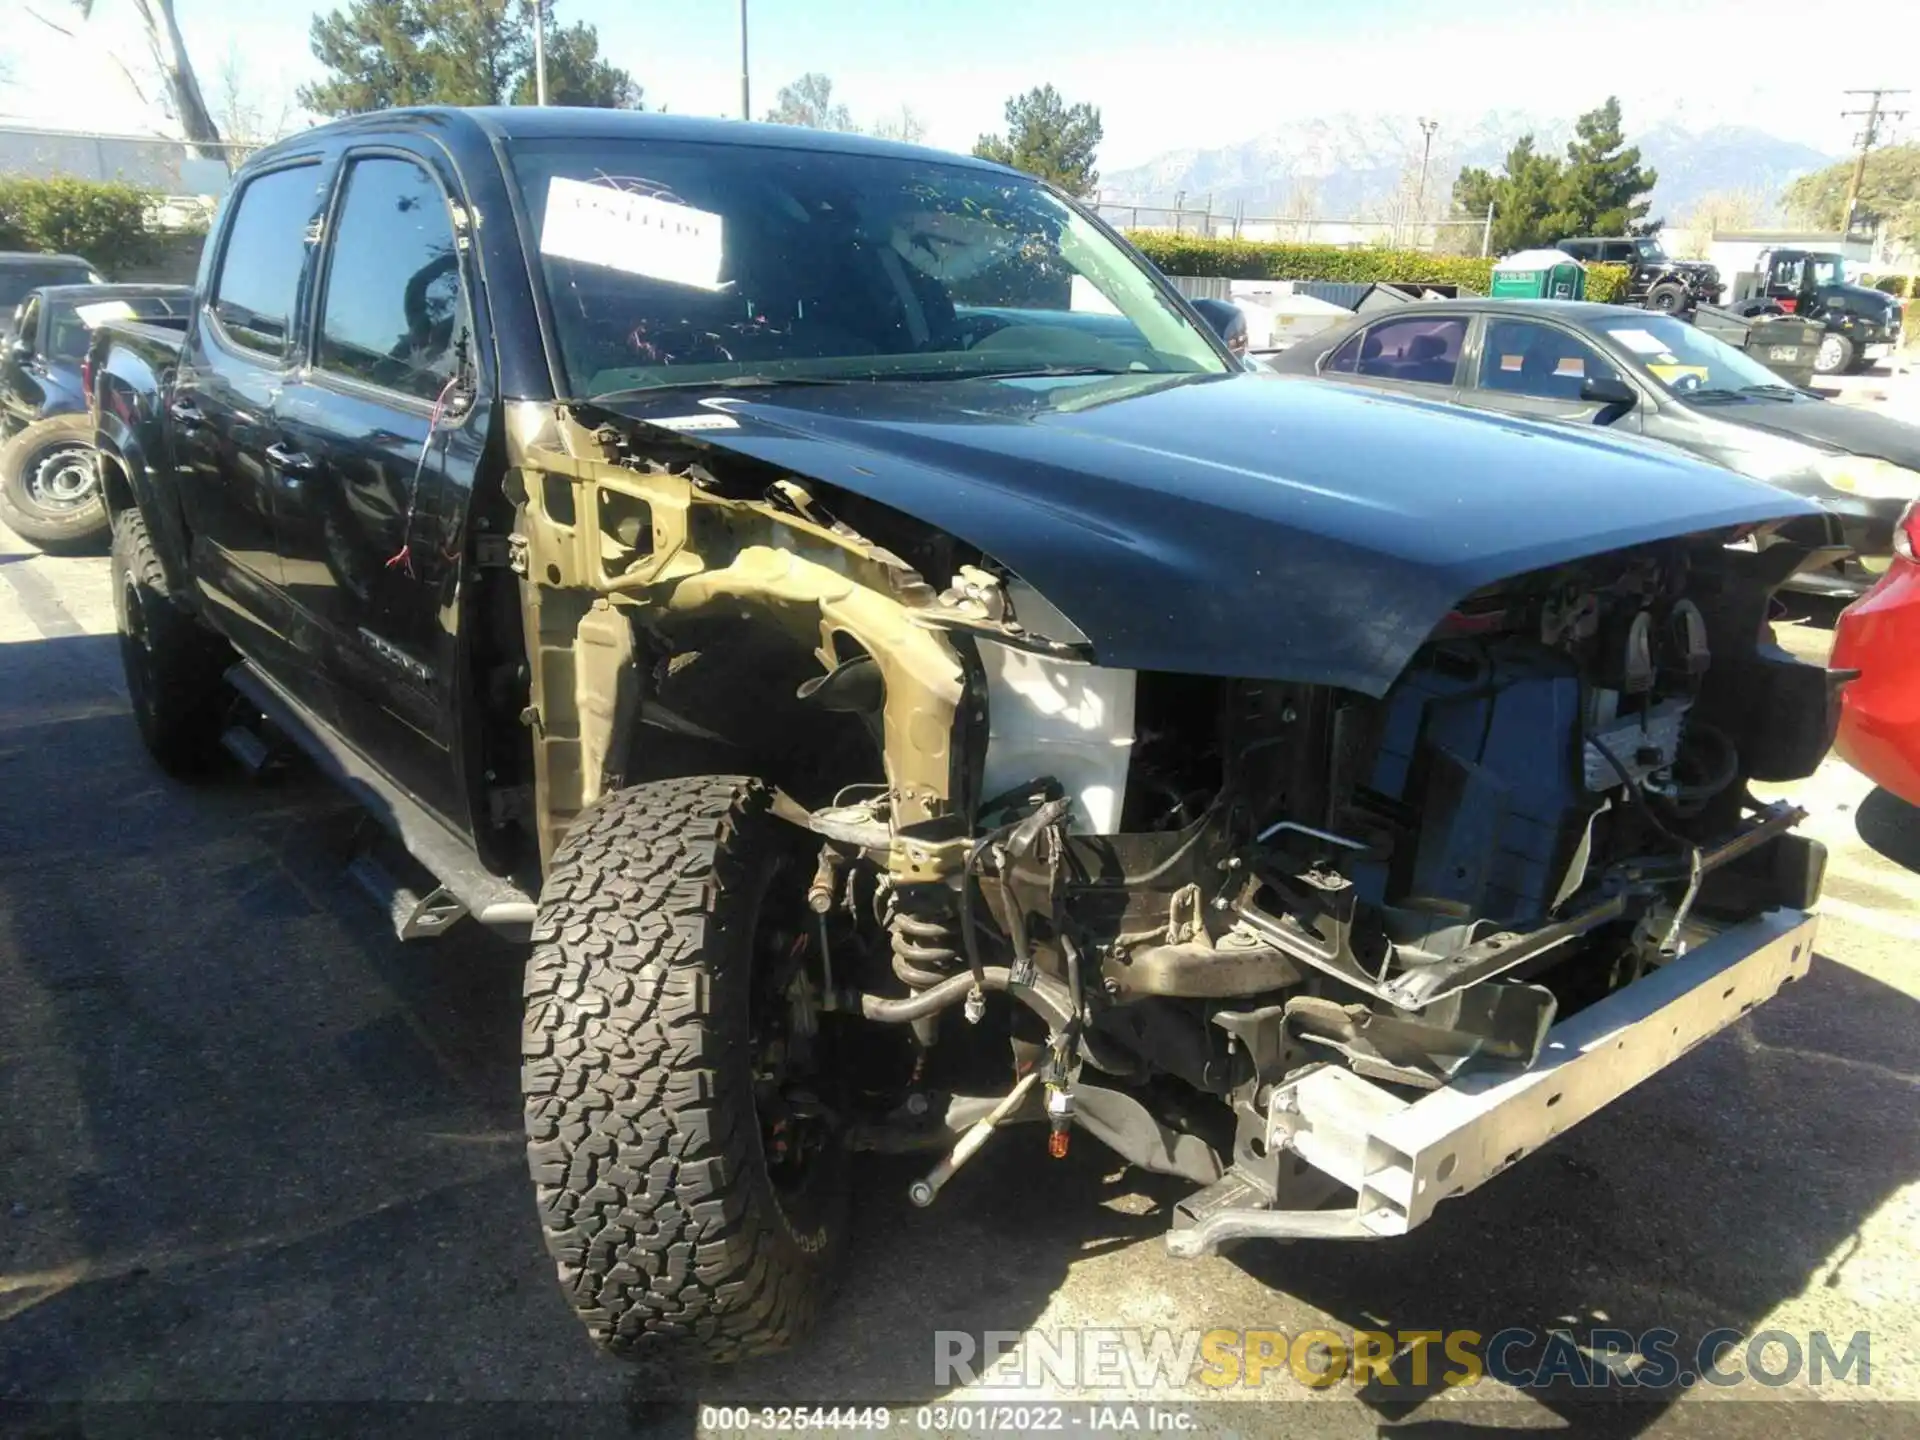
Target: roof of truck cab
515, 122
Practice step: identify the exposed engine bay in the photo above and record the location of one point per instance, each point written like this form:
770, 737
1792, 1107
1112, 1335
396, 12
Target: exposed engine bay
1123, 893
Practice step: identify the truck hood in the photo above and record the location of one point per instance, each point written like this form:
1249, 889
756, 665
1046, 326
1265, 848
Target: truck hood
1841, 428
1244, 525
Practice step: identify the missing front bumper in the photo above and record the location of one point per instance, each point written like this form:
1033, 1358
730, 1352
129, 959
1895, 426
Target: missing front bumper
1402, 1158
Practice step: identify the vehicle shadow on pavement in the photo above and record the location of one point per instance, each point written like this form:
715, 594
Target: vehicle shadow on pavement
257, 1150
1890, 827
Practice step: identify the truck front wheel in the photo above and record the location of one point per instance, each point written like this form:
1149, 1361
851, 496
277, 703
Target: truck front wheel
50, 485
686, 1166
1835, 355
173, 664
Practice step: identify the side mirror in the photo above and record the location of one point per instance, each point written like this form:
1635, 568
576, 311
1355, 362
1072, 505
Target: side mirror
1225, 319
1610, 391
20, 350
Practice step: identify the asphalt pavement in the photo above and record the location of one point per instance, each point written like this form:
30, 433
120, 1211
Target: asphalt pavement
252, 1149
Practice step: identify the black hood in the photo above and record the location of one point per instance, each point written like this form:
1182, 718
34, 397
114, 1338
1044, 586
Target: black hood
1840, 428
1256, 526
1862, 298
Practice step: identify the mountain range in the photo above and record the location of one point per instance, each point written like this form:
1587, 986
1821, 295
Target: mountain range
1351, 165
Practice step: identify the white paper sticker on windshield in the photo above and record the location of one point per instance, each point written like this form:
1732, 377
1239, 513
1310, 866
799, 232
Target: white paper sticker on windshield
1641, 342
635, 234
694, 422
1086, 298
99, 312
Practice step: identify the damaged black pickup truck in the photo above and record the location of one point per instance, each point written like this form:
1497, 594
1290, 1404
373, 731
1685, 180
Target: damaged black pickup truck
908, 681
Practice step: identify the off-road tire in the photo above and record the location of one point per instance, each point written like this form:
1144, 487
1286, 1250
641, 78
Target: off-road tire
1833, 345
647, 1157
55, 528
173, 664
1668, 299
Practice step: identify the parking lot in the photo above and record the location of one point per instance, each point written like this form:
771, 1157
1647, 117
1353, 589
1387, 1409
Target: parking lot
255, 1149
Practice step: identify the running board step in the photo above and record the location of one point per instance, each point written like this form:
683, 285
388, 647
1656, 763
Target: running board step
415, 916
247, 748
494, 900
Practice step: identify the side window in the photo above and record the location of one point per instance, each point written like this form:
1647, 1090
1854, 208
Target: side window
1518, 357
259, 279
1578, 249
392, 301
26, 323
1423, 349
1617, 252
1344, 360
67, 333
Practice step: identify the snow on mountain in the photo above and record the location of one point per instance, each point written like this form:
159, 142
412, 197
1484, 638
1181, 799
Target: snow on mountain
1348, 165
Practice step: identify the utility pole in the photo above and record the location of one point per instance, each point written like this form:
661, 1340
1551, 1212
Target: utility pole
539, 52
1873, 115
746, 103
1427, 127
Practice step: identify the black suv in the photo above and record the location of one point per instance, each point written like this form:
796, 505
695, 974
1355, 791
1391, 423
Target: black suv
1657, 281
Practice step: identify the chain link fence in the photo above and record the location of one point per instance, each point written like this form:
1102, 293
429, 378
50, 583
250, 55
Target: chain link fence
1456, 237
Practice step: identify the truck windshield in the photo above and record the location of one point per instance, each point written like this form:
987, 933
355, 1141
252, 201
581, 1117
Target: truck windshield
1650, 251
1684, 360
1827, 270
682, 262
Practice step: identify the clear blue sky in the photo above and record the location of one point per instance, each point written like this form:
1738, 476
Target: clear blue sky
1167, 74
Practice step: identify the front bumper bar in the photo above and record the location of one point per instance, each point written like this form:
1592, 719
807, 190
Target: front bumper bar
1402, 1158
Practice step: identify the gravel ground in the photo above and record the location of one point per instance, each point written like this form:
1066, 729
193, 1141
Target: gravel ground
255, 1150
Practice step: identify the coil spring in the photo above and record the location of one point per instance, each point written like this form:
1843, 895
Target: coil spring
921, 921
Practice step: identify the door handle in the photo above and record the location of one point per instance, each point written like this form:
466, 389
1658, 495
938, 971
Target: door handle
292, 462
186, 414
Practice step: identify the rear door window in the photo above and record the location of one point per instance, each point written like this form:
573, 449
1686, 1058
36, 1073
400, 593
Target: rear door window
392, 302
1422, 349
258, 283
1518, 357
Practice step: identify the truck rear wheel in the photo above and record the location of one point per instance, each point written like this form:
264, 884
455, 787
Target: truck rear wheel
690, 1185
174, 665
50, 485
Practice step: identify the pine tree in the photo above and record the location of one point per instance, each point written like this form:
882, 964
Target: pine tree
382, 53
1604, 189
1524, 195
1049, 138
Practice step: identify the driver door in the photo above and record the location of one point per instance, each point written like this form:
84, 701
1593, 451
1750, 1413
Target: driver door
380, 436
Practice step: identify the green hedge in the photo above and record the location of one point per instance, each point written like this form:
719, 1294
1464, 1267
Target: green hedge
1272, 260
105, 221
1904, 287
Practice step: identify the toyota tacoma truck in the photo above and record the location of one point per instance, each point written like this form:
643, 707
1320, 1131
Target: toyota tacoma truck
909, 684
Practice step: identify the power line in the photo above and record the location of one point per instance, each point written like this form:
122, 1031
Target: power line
1869, 134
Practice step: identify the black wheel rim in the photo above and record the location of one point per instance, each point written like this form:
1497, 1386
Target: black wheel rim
787, 1067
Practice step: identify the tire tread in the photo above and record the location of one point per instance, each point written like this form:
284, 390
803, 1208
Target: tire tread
645, 1156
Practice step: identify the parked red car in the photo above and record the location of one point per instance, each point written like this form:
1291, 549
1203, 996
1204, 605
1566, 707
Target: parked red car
1879, 635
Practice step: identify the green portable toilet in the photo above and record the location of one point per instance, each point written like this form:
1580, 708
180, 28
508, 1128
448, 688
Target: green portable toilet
1539, 275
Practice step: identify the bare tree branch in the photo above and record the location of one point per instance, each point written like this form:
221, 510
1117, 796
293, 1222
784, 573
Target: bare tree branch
56, 28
